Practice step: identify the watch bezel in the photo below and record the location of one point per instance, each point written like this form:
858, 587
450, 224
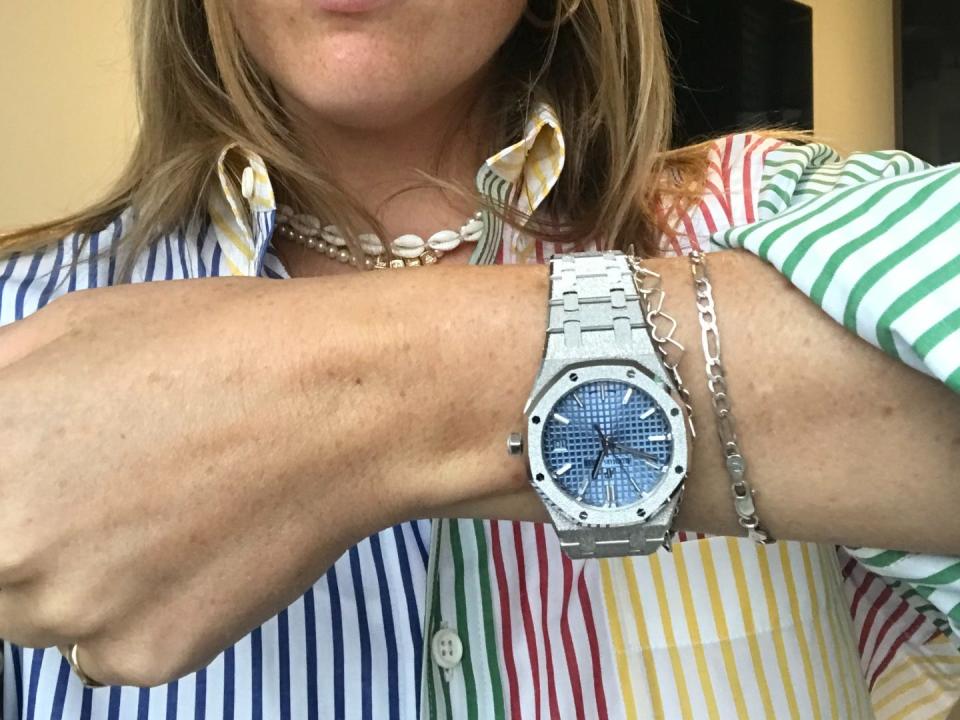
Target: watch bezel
588, 372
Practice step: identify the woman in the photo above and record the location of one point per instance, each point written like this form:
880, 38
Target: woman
185, 460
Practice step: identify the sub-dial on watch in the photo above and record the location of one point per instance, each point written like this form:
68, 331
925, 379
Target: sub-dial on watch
605, 438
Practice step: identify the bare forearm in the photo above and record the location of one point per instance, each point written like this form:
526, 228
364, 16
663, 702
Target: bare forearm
844, 444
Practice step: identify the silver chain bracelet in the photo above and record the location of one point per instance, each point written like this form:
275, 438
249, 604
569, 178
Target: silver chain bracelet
652, 296
717, 384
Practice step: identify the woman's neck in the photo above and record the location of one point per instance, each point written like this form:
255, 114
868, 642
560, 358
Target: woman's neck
376, 162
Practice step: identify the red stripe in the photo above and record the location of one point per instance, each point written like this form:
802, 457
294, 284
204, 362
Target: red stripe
573, 668
545, 626
865, 583
751, 213
587, 608
848, 568
505, 620
712, 225
881, 634
539, 245
530, 636
498, 260
908, 633
871, 615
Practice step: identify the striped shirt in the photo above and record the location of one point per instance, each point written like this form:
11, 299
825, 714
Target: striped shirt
720, 628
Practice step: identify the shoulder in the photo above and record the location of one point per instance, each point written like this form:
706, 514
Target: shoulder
31, 279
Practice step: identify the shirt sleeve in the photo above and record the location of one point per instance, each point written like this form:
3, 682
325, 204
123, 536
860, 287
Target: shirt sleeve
874, 240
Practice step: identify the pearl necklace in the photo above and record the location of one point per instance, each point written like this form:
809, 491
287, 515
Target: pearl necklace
411, 250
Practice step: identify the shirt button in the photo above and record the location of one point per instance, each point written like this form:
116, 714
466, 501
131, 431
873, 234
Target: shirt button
447, 648
246, 182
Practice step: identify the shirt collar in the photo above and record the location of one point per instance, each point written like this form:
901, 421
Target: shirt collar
243, 210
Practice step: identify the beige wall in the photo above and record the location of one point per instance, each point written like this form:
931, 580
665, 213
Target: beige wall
68, 114
853, 78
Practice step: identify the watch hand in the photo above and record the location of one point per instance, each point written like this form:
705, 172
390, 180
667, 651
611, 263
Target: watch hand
603, 438
596, 465
627, 473
637, 453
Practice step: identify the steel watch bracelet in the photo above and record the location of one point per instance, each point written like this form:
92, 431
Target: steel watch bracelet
595, 314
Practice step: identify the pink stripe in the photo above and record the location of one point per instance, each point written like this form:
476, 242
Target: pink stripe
531, 638
751, 212
587, 608
727, 152
573, 668
545, 625
505, 620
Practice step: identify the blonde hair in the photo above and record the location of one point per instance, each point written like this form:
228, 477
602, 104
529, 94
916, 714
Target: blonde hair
602, 63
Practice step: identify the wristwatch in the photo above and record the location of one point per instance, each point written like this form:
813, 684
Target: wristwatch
605, 436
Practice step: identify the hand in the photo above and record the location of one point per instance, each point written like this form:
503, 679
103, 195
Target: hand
651, 459
156, 506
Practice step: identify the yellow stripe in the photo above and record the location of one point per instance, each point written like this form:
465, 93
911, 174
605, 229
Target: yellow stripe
223, 225
899, 692
926, 665
842, 632
694, 627
917, 704
773, 612
740, 580
682, 691
818, 630
650, 668
800, 627
716, 603
616, 635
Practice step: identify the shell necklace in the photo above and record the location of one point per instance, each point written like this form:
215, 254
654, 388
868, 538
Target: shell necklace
411, 250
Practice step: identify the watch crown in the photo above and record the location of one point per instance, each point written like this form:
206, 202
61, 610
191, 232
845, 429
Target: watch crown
515, 444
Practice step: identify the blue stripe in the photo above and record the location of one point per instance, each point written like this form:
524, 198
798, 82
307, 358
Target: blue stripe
17, 676
60, 694
200, 697
420, 543
181, 246
283, 640
143, 704
229, 673
151, 261
173, 693
202, 239
117, 233
53, 277
386, 611
113, 711
310, 626
74, 251
169, 269
413, 612
92, 264
25, 285
256, 670
363, 631
336, 618
216, 260
35, 665
86, 703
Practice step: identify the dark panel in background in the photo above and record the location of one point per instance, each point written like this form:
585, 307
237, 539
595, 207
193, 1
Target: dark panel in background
929, 74
740, 64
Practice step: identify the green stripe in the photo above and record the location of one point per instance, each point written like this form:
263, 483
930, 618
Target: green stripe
812, 210
767, 205
883, 559
489, 626
463, 625
900, 213
937, 334
953, 380
841, 254
914, 295
947, 576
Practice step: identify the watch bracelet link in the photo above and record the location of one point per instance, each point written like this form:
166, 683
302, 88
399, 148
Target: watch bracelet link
595, 312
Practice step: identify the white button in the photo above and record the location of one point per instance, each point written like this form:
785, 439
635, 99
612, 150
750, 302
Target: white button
246, 182
447, 648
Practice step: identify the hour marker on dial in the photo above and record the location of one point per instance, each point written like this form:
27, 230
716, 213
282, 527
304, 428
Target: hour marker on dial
648, 412
659, 438
578, 400
564, 469
611, 496
627, 395
561, 419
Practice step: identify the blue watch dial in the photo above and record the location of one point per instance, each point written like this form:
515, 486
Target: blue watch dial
607, 444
